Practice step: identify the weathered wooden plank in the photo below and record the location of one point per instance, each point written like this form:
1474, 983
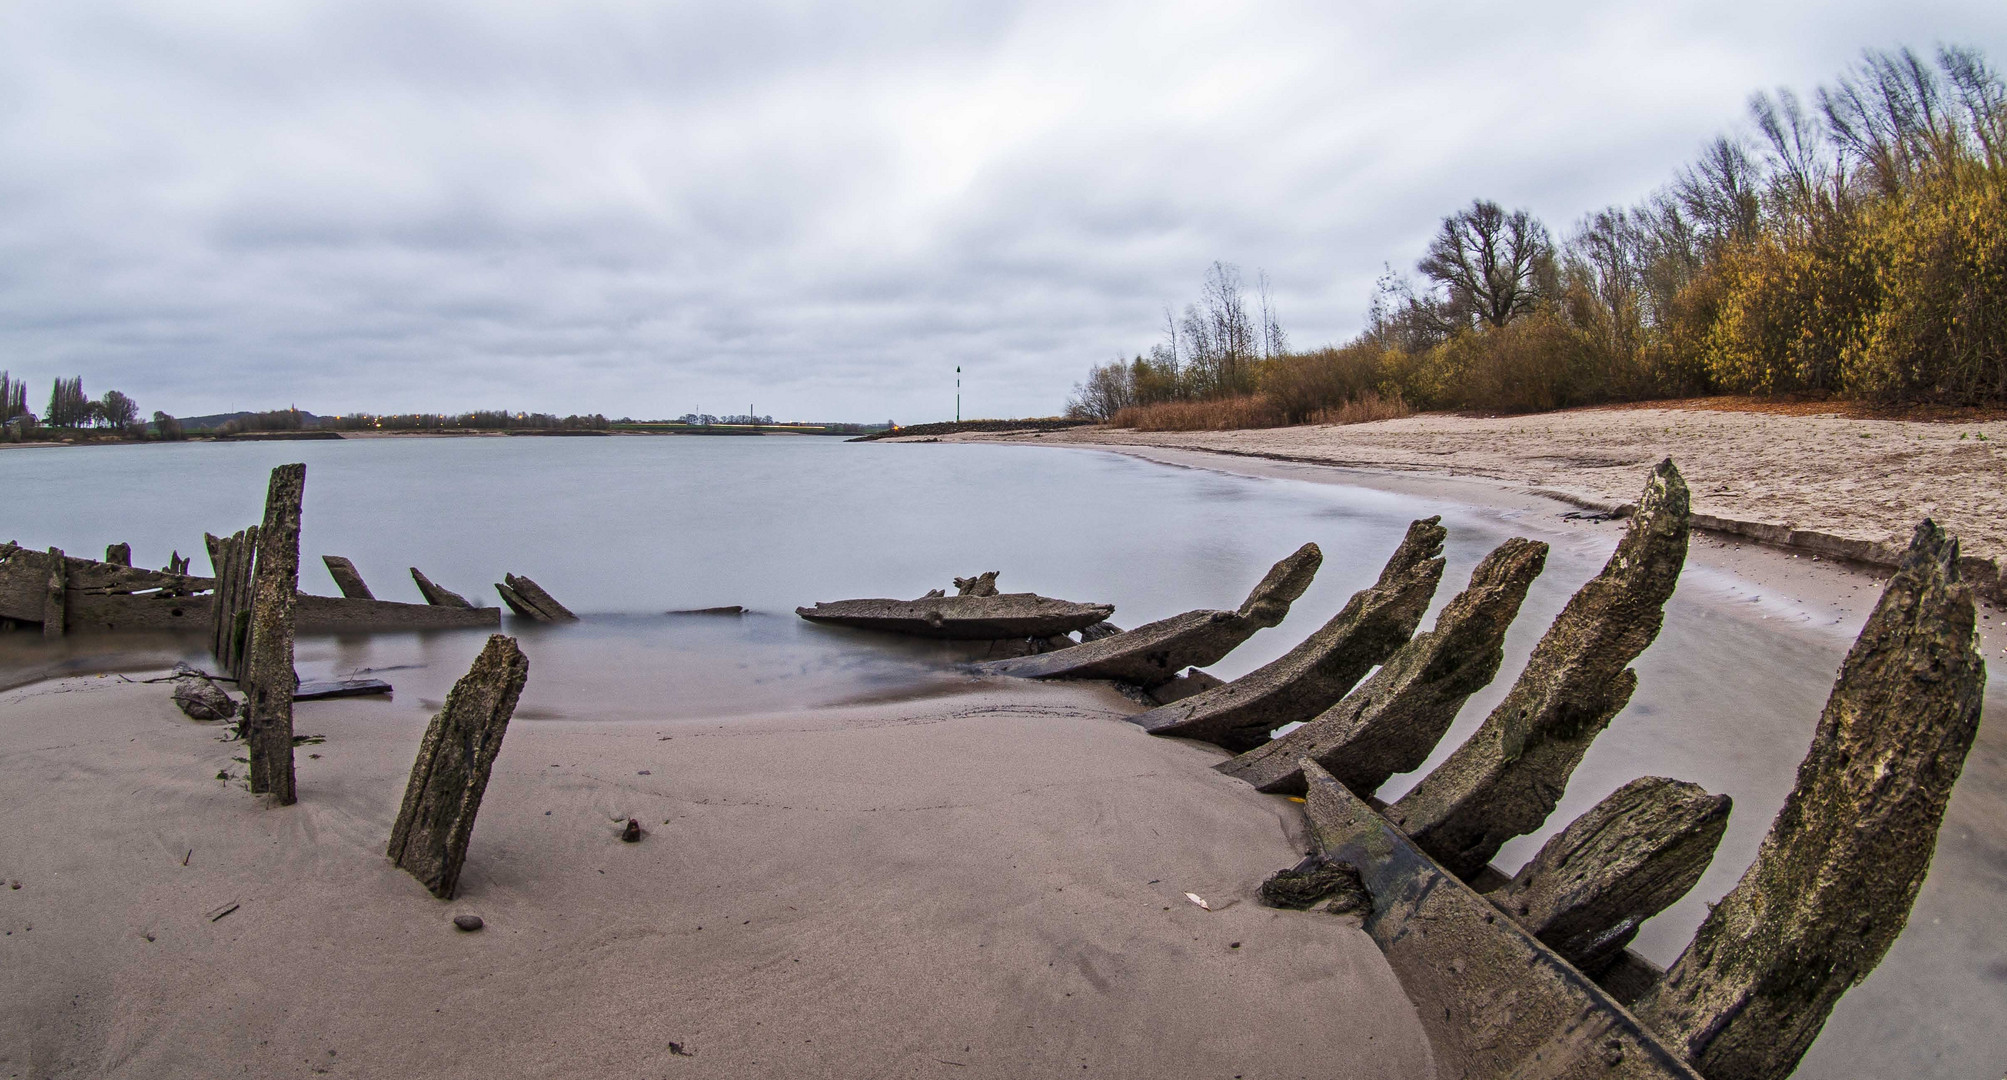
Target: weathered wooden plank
54, 595
268, 680
24, 583
339, 614
1392, 721
1505, 779
1317, 673
1493, 1000
1834, 880
1628, 858
437, 596
1156, 652
533, 594
318, 690
347, 578
451, 771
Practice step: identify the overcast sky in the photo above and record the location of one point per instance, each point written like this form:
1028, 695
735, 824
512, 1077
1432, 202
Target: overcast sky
817, 210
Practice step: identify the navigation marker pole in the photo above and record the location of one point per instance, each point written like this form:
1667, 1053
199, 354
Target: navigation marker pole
958, 393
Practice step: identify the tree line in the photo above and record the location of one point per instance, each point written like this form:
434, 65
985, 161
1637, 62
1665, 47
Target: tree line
72, 410
1851, 245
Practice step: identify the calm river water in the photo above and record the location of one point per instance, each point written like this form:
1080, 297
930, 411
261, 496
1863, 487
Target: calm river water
624, 530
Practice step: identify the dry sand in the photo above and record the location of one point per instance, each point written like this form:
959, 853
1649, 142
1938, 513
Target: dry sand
1863, 479
983, 885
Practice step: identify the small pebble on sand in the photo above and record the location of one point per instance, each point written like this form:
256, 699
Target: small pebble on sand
467, 922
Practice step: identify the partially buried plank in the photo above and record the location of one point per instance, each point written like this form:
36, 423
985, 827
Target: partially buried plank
347, 578
1494, 1001
451, 772
1832, 885
1507, 777
1156, 652
1392, 721
1627, 859
1317, 673
436, 595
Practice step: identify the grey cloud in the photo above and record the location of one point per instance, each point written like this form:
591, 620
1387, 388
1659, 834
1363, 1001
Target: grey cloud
642, 208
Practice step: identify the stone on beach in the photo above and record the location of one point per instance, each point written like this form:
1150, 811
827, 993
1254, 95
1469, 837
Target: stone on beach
202, 699
1392, 721
1834, 880
268, 678
1506, 778
451, 771
1156, 652
1317, 673
1628, 858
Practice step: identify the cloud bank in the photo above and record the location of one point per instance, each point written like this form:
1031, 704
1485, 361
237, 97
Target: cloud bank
816, 210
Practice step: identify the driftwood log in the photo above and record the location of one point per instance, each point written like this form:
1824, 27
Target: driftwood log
1506, 779
347, 578
1836, 876
1317, 673
451, 771
1393, 721
437, 596
268, 679
1493, 1000
1628, 858
1157, 652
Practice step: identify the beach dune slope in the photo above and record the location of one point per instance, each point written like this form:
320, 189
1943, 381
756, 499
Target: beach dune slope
987, 885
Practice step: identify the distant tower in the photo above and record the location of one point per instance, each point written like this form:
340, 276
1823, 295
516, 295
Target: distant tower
958, 393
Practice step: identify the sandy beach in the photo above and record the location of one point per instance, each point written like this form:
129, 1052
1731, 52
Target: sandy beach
983, 885
1860, 479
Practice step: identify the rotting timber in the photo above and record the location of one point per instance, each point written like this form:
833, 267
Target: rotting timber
1528, 974
1158, 652
98, 597
978, 614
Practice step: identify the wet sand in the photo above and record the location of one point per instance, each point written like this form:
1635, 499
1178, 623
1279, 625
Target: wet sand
1714, 710
1864, 479
982, 885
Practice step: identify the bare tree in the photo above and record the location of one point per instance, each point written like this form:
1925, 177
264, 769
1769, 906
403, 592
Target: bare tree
1219, 335
1489, 262
117, 410
1273, 341
1109, 389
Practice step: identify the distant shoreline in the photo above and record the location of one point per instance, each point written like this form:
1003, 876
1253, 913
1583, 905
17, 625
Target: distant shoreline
1835, 487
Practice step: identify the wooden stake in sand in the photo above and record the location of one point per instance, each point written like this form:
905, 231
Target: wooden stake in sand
1833, 883
1390, 723
1505, 779
57, 596
451, 772
231, 559
268, 679
1317, 673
